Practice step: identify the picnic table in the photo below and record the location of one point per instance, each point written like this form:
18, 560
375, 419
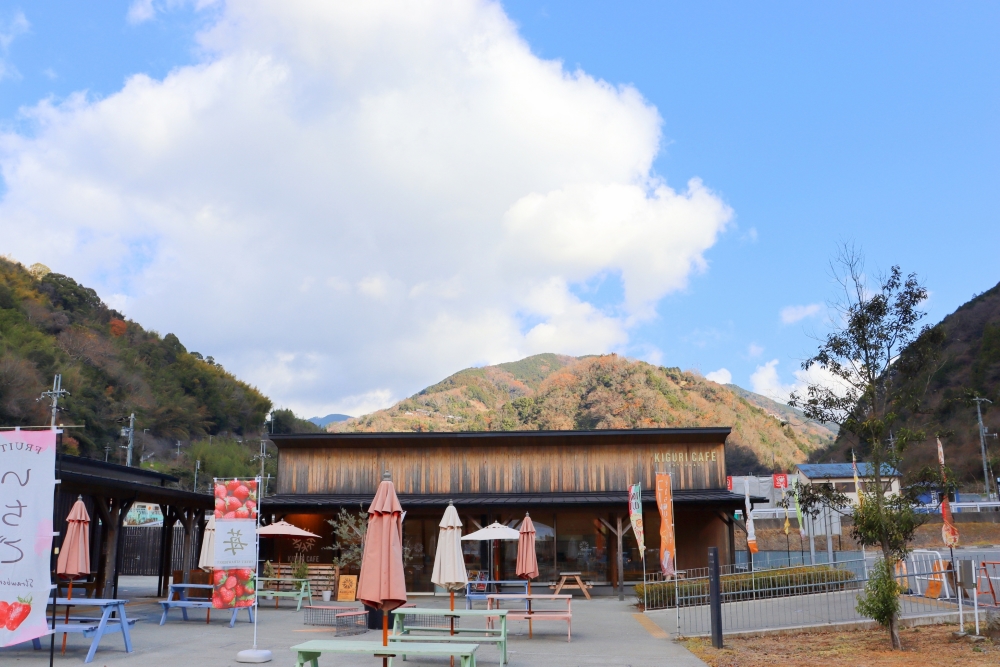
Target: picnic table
531, 614
184, 602
564, 578
401, 632
478, 590
310, 651
300, 590
92, 626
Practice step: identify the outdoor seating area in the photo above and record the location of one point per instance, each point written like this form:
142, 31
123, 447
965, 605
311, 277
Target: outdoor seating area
275, 588
179, 598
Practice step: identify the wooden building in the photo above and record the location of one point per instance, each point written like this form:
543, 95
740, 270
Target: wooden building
573, 483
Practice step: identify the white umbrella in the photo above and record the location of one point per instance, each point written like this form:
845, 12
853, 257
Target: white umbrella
492, 532
449, 563
206, 561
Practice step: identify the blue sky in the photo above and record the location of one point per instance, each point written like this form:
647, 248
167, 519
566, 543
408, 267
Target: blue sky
814, 123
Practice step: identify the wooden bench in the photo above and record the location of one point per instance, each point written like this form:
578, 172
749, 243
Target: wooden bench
177, 598
96, 628
487, 635
531, 614
312, 650
564, 578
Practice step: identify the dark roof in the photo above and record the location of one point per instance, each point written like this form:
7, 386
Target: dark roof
113, 470
291, 502
842, 470
110, 487
505, 438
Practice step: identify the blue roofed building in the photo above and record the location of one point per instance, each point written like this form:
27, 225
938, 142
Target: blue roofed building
841, 476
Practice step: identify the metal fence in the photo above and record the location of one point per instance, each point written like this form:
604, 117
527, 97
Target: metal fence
799, 596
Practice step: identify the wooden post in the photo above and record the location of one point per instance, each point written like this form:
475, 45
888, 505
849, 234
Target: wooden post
187, 520
112, 512
619, 532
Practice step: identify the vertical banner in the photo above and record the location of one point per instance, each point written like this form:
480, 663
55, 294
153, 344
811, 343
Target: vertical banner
949, 533
27, 482
234, 576
635, 515
665, 503
751, 535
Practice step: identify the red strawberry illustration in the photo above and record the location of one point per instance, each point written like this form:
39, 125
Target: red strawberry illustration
229, 515
250, 504
253, 515
220, 491
249, 588
251, 484
219, 514
4, 613
219, 577
243, 574
241, 492
227, 595
231, 582
220, 504
243, 513
233, 504
232, 485
18, 612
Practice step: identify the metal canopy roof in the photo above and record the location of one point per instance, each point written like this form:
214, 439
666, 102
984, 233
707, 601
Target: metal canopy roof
290, 502
841, 470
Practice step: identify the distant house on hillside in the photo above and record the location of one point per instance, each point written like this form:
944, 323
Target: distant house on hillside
841, 476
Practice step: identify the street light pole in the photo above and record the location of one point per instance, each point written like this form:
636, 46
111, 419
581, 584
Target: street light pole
982, 442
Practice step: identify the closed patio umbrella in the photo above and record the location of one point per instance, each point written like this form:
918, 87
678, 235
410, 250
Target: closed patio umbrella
527, 562
449, 563
206, 560
74, 555
382, 582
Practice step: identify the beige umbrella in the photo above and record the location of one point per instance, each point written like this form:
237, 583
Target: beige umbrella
382, 583
283, 529
74, 555
206, 561
449, 563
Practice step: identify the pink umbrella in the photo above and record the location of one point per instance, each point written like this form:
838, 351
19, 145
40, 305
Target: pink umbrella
382, 584
527, 562
74, 555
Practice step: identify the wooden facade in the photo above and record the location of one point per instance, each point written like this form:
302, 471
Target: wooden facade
501, 463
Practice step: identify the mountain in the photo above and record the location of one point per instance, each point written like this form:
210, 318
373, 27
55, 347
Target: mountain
330, 418
111, 366
819, 431
966, 347
552, 392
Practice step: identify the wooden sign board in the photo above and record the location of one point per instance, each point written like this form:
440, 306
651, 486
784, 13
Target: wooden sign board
347, 588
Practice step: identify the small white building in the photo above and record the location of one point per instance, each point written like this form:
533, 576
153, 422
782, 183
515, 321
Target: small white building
841, 476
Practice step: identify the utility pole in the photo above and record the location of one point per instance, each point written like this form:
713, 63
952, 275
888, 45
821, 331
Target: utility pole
197, 467
262, 457
982, 442
54, 395
107, 450
130, 432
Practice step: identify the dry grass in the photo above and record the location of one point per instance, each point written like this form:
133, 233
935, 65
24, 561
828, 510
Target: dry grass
928, 646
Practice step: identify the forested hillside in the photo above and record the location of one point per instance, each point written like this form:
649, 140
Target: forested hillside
111, 366
965, 347
548, 392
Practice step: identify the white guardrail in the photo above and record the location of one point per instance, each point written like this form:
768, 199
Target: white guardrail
984, 506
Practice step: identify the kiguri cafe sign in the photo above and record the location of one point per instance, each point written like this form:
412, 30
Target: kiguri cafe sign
701, 456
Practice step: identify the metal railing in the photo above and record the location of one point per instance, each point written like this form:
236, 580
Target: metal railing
801, 596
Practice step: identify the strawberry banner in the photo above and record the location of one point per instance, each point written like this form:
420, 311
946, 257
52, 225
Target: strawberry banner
27, 481
235, 543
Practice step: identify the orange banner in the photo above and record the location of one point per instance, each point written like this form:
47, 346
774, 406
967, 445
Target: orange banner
665, 503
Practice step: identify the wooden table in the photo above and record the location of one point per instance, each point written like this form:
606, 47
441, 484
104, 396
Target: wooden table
185, 603
97, 627
310, 651
304, 590
490, 635
563, 579
530, 614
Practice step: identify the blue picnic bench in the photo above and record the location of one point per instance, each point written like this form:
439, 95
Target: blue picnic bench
184, 602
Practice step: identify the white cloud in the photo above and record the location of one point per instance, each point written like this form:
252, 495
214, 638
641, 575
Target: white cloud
140, 11
754, 350
9, 31
766, 381
793, 314
722, 376
348, 198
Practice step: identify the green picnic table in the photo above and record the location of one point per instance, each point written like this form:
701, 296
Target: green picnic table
300, 590
401, 632
310, 651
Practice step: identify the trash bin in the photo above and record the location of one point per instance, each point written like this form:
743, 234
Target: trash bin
374, 618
